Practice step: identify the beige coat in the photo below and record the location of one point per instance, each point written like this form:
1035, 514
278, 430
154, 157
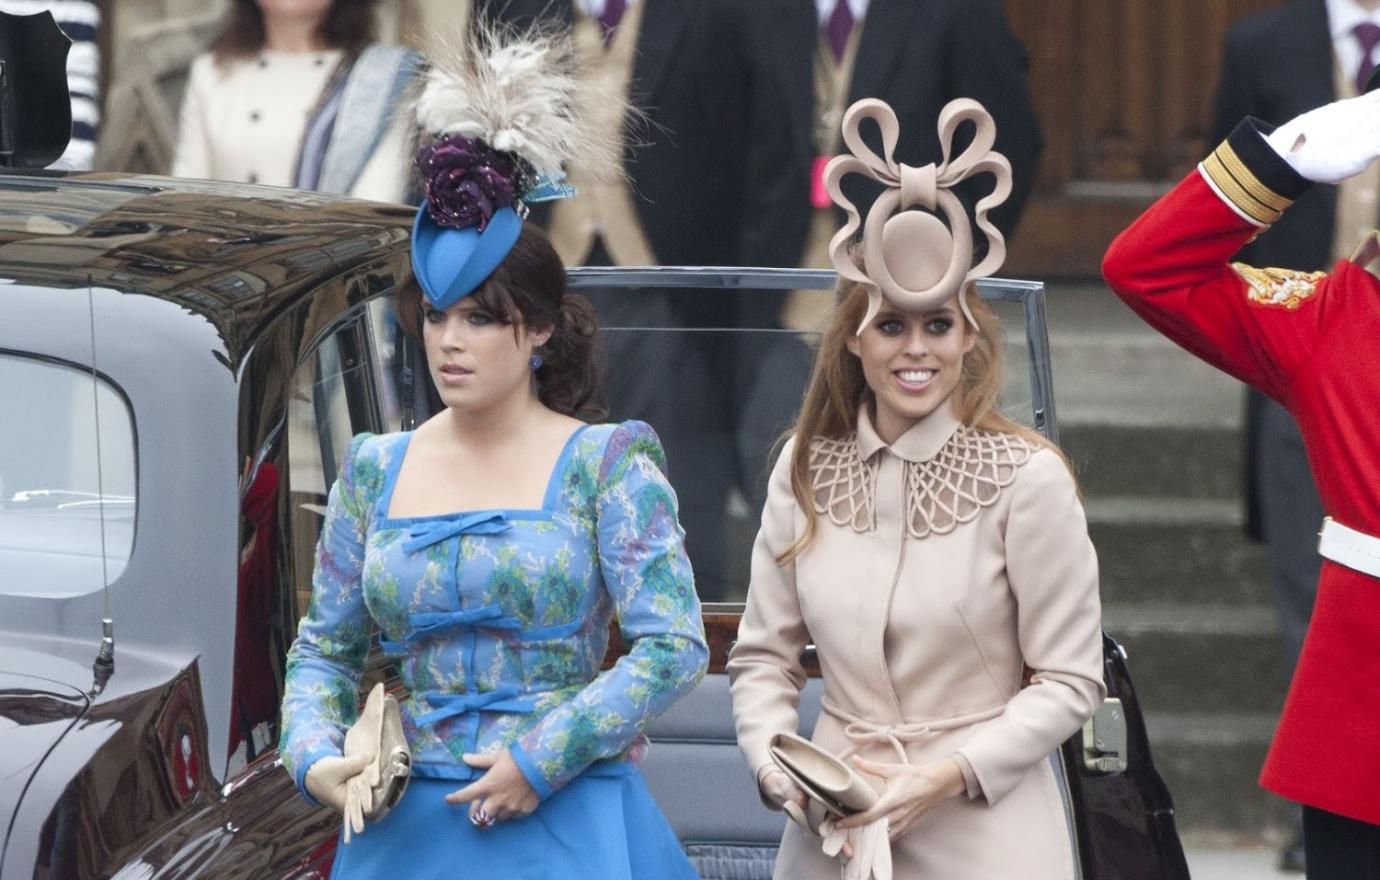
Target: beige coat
942, 566
243, 122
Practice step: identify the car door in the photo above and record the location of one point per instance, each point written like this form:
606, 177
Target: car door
317, 378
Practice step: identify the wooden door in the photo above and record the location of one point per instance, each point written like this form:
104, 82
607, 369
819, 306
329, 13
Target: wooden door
1123, 90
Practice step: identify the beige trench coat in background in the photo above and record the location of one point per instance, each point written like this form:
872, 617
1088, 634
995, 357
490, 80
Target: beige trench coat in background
942, 566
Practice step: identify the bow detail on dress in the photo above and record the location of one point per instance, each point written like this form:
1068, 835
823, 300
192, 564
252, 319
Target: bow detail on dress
503, 699
909, 255
424, 535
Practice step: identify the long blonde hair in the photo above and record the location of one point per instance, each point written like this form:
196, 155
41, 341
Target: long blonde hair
838, 388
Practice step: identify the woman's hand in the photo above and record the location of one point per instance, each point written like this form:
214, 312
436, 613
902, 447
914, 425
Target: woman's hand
779, 790
911, 791
501, 793
327, 779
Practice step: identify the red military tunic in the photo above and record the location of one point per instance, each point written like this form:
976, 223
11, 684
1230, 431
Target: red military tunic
1312, 342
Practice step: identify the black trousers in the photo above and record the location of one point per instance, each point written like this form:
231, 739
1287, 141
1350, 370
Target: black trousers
1338, 848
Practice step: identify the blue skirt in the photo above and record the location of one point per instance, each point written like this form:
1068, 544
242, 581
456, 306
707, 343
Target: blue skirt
603, 824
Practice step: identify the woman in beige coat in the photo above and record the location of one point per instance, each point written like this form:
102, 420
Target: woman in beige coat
937, 555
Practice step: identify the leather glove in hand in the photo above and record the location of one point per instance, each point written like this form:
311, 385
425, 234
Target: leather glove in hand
1333, 142
870, 847
363, 740
327, 779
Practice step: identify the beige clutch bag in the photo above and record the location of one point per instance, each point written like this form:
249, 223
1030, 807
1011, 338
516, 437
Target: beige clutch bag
378, 788
827, 780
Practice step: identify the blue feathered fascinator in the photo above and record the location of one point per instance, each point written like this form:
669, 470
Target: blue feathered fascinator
500, 124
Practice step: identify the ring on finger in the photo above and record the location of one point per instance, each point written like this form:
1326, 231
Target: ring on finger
481, 819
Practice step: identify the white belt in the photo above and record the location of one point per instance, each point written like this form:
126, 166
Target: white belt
1346, 546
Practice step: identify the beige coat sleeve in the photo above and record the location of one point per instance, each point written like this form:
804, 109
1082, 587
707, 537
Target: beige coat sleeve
1052, 569
192, 155
764, 668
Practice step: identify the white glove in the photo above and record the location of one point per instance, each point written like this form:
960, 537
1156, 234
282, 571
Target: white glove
1333, 142
871, 846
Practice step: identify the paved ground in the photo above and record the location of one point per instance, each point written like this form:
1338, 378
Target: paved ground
1234, 864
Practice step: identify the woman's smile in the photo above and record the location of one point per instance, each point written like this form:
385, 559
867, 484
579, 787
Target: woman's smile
913, 380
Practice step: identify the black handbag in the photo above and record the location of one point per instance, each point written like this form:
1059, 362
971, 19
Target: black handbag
1122, 812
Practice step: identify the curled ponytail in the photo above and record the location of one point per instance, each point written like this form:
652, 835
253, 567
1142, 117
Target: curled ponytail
569, 379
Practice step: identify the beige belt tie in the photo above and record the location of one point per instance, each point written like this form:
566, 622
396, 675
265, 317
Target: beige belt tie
861, 732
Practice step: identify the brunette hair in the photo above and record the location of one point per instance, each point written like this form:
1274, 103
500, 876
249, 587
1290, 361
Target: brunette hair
348, 25
838, 388
529, 288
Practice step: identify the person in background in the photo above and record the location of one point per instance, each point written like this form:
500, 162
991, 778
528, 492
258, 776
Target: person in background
1333, 47
80, 20
296, 93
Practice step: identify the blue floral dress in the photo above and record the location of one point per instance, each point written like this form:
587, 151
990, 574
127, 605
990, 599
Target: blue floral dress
498, 621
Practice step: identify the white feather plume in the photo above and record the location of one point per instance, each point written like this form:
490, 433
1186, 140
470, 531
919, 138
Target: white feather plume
519, 92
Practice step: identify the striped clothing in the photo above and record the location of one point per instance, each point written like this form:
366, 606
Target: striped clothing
80, 20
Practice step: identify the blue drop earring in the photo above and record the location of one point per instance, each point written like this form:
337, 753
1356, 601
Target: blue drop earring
535, 361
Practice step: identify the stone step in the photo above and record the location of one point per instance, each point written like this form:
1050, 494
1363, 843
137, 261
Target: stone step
1211, 762
1182, 461
1109, 367
1175, 550
1201, 658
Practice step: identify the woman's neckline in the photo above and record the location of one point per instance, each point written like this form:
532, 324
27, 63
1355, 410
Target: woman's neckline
549, 497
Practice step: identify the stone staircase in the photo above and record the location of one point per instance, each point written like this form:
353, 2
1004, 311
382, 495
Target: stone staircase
1155, 437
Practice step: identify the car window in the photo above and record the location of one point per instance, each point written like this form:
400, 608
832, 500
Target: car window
66, 522
388, 346
319, 429
334, 397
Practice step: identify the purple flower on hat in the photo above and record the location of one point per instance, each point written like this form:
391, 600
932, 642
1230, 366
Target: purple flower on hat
466, 181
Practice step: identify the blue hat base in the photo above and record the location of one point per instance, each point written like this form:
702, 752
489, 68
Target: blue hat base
452, 263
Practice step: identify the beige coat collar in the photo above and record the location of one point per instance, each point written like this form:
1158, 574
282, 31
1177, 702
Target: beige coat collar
921, 443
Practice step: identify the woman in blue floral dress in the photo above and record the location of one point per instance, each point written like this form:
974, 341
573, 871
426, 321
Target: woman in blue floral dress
491, 547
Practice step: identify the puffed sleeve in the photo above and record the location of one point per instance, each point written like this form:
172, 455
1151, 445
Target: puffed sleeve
1052, 570
1171, 266
764, 669
192, 154
652, 588
321, 691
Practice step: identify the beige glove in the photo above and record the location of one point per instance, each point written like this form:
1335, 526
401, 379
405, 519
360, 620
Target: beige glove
327, 779
372, 734
871, 846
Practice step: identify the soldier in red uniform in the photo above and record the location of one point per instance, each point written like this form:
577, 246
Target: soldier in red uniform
1312, 342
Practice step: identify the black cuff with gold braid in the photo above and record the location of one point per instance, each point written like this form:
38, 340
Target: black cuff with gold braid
1247, 173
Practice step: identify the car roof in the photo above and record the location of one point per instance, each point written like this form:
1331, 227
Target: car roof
236, 254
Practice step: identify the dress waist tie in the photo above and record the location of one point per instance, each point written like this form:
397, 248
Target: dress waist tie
861, 732
450, 705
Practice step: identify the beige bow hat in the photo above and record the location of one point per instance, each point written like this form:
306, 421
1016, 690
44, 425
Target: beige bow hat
909, 255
